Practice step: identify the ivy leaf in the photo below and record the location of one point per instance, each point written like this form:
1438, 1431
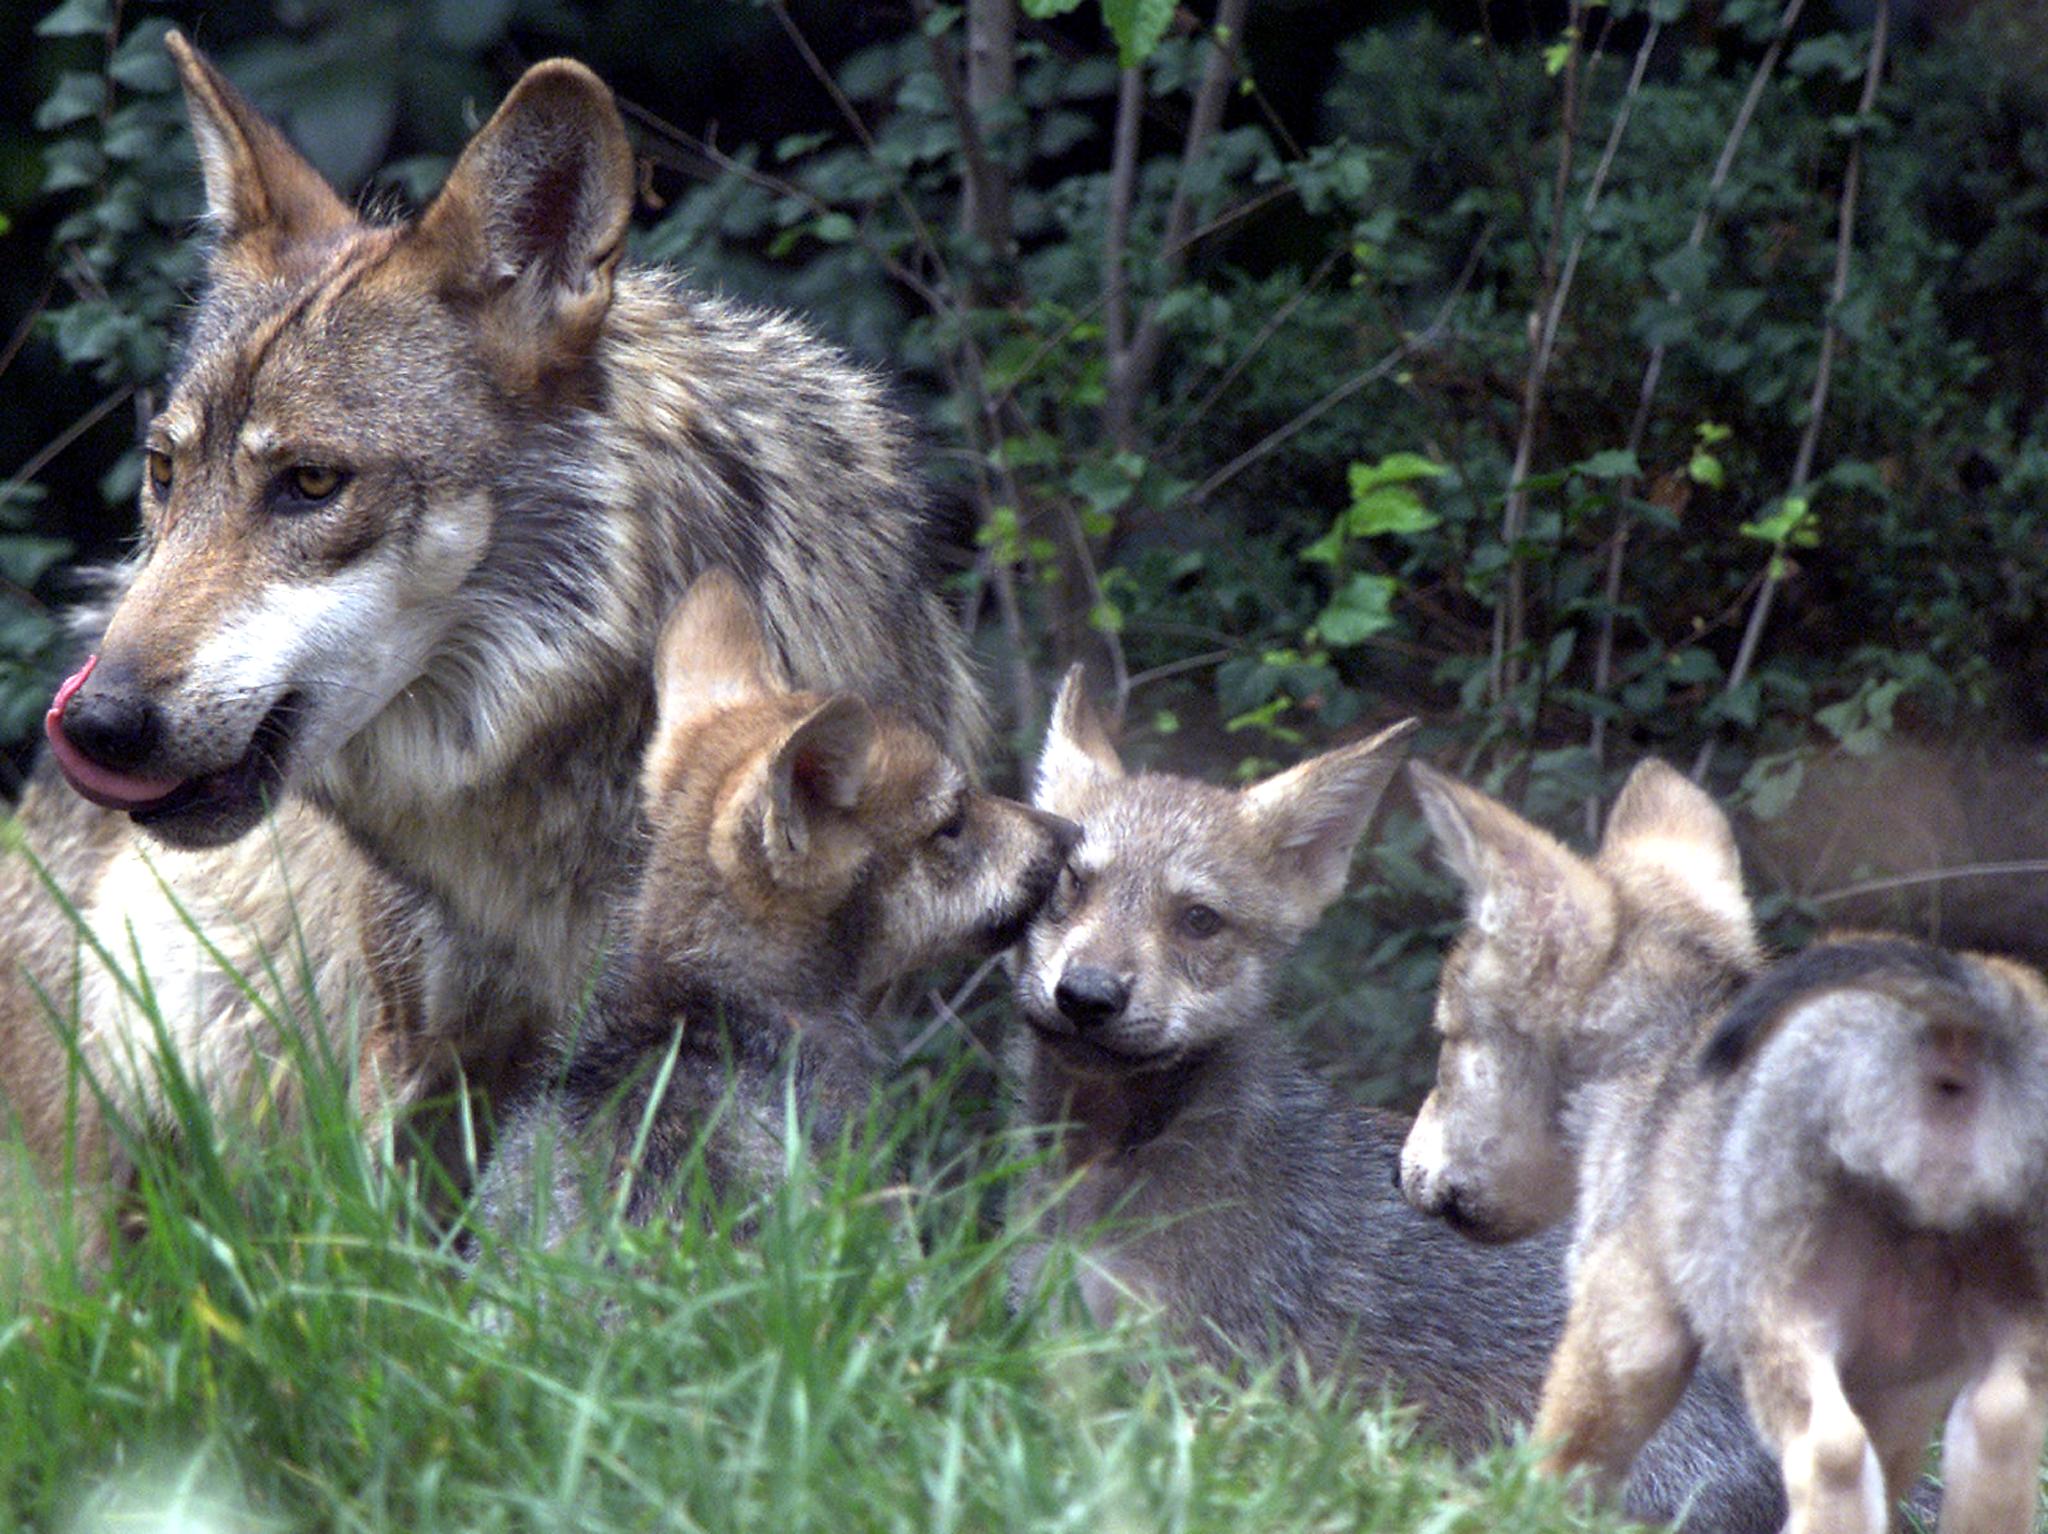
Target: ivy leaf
1362, 607
77, 18
1792, 525
1394, 469
1684, 272
24, 559
1137, 26
78, 96
1326, 550
141, 63
1829, 51
1611, 463
1772, 783
71, 162
1389, 509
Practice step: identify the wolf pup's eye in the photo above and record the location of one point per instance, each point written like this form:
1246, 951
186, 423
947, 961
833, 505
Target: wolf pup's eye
1071, 889
955, 824
309, 484
1200, 921
159, 464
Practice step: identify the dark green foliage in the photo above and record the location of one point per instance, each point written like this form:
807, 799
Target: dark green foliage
1292, 519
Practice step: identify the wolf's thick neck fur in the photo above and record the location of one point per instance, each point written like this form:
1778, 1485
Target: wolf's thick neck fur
499, 789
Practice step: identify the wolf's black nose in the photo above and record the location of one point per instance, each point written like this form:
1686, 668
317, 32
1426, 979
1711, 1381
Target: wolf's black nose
114, 729
1088, 996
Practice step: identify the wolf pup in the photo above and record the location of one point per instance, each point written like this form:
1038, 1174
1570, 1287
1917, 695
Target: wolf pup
417, 502
1202, 1168
807, 849
1830, 1178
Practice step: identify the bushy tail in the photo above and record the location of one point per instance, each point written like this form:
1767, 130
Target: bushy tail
1927, 1070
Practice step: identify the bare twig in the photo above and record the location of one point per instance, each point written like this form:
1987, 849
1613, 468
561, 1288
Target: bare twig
1116, 229
991, 81
991, 77
43, 456
927, 245
2020, 868
1646, 392
1350, 386
1257, 344
1817, 403
1511, 617
1131, 371
1177, 667
22, 331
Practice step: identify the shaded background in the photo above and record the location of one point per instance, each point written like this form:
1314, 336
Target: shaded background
1301, 478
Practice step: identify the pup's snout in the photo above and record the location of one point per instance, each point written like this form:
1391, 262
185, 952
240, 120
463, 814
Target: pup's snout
1066, 834
1089, 996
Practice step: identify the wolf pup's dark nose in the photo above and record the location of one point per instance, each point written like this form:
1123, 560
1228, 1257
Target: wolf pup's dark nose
1066, 834
1088, 996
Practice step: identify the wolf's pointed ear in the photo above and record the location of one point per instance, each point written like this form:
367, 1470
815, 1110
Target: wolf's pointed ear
711, 653
1077, 752
532, 219
1665, 831
1522, 886
1312, 815
820, 767
257, 185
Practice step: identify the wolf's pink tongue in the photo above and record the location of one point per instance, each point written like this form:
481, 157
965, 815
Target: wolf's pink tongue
102, 785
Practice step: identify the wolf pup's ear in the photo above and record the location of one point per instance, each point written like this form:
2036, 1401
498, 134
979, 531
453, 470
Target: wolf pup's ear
262, 198
711, 654
1523, 887
818, 769
1666, 832
1077, 753
532, 219
1312, 815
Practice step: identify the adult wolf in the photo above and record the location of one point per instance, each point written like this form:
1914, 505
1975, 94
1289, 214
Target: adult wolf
417, 503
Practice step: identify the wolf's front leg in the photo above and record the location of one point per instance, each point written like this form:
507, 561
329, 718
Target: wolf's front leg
1834, 1480
1619, 1368
1992, 1452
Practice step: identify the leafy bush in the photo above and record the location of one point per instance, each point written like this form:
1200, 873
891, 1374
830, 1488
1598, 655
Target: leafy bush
1247, 417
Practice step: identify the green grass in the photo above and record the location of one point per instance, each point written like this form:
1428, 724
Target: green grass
289, 1336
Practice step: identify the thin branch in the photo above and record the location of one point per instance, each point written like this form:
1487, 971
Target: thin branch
1653, 372
22, 331
1179, 667
1116, 229
927, 244
1511, 618
985, 194
1816, 407
1350, 386
718, 160
1257, 344
43, 456
2022, 868
1133, 373
1087, 312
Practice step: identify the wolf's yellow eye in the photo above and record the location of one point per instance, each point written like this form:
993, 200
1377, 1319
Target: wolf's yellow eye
314, 482
159, 464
